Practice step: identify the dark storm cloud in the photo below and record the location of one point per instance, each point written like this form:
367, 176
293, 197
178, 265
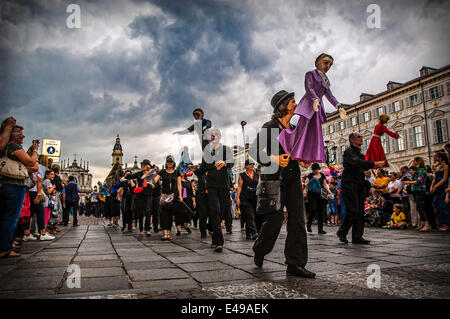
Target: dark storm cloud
199, 46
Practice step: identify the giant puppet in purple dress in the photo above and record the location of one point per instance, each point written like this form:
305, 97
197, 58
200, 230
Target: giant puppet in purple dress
305, 141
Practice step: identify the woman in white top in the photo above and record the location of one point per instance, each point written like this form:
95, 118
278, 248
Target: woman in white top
394, 188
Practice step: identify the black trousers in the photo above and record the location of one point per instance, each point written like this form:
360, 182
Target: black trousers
316, 206
226, 213
203, 213
66, 211
167, 215
155, 210
127, 213
248, 211
419, 198
143, 210
181, 214
217, 198
354, 212
296, 246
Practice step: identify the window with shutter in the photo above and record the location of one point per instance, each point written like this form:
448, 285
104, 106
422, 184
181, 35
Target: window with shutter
423, 136
427, 94
419, 98
440, 131
441, 90
448, 88
391, 108
394, 143
375, 113
408, 101
401, 104
411, 137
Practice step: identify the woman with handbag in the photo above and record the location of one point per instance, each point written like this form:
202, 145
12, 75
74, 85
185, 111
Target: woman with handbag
171, 191
15, 165
316, 189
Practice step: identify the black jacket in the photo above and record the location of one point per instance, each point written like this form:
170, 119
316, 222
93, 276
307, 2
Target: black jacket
216, 178
354, 166
261, 150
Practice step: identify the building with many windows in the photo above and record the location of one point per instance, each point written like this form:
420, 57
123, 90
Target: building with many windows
418, 110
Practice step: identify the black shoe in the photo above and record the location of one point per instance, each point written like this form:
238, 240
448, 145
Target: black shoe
229, 232
308, 229
188, 230
218, 248
342, 238
322, 232
298, 271
123, 229
178, 233
361, 241
258, 261
255, 237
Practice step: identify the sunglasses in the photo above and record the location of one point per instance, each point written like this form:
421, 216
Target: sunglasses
169, 161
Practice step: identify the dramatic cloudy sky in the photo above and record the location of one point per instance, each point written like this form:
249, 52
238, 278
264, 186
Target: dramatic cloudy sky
139, 68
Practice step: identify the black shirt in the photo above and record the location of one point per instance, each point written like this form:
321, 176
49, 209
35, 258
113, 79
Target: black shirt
354, 167
261, 150
248, 191
216, 178
169, 181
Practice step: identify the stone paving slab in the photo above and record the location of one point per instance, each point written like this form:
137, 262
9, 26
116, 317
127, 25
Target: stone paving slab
220, 275
102, 272
99, 263
204, 266
30, 283
149, 265
166, 284
156, 274
95, 258
98, 284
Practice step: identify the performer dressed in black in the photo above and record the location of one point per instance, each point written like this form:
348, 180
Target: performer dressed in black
353, 190
201, 199
127, 213
143, 198
278, 166
217, 158
246, 198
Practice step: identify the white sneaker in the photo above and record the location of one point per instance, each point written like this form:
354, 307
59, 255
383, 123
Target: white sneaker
29, 237
46, 237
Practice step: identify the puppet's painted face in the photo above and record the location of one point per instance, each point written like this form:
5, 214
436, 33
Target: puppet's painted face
325, 64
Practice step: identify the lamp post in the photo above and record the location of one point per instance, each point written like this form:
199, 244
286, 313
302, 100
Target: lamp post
243, 123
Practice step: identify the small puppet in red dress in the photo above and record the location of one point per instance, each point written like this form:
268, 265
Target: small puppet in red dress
375, 152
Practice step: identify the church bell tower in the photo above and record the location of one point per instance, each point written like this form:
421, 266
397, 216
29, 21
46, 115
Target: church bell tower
117, 152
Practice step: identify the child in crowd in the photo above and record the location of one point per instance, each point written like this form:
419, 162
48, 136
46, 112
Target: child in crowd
332, 204
398, 218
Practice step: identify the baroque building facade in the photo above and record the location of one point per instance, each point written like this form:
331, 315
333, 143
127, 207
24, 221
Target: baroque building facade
418, 110
81, 174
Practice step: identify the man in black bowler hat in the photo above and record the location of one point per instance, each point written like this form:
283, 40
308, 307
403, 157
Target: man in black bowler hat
277, 166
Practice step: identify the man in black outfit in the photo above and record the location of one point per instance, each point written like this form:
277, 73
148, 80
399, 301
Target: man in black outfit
277, 166
353, 190
217, 158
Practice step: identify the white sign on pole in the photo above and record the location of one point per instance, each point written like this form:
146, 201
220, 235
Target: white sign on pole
51, 147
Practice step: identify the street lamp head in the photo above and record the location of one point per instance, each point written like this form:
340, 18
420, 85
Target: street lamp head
243, 123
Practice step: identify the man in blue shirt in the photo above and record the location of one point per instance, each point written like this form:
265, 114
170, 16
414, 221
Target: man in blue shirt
71, 199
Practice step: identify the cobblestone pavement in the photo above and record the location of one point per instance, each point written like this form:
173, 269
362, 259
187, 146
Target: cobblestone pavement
124, 265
